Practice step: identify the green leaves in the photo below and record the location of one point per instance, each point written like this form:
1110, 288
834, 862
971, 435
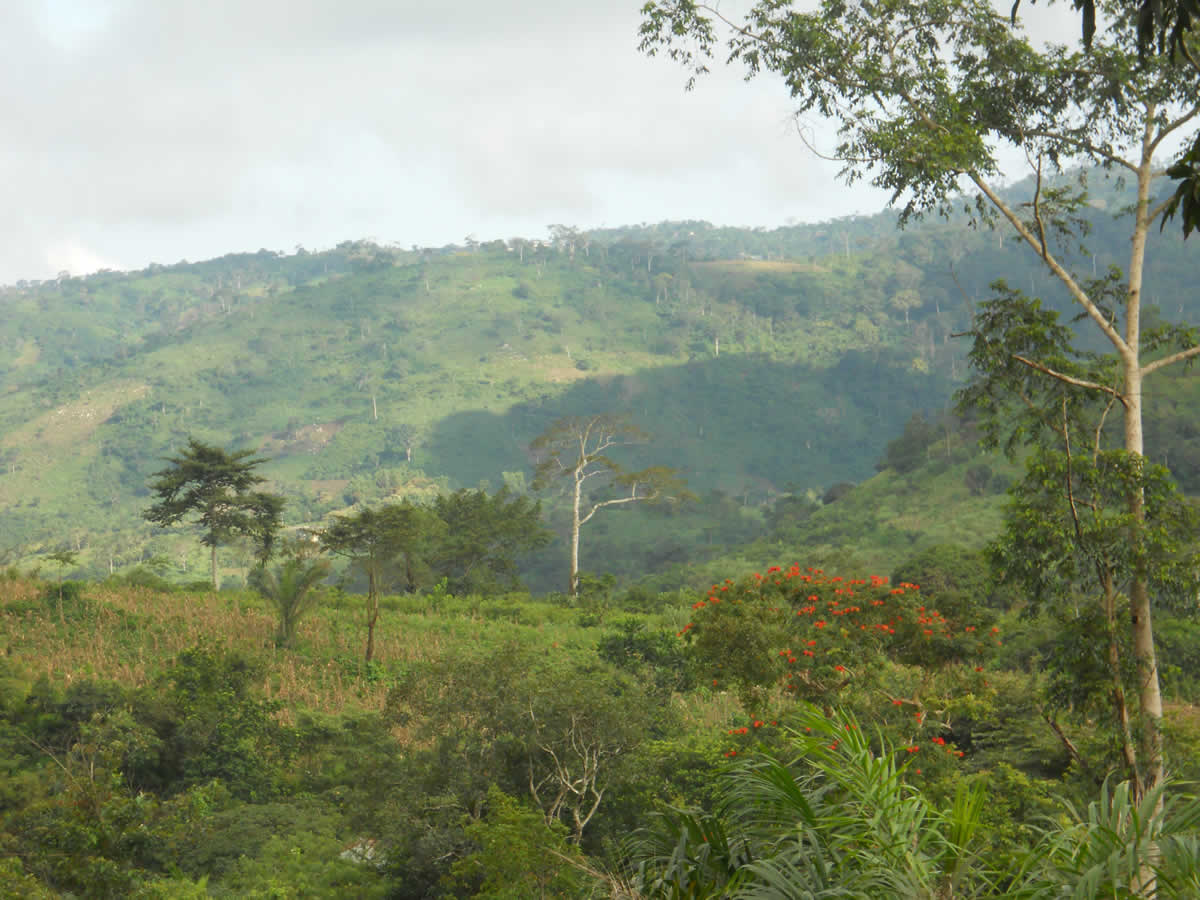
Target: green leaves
215, 486
290, 589
483, 536
925, 91
1111, 848
839, 821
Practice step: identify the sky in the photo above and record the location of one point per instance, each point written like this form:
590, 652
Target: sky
139, 131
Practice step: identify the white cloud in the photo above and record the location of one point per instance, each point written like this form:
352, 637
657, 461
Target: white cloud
160, 129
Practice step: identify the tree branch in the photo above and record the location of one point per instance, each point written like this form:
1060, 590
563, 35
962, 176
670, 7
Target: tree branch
1171, 127
1082, 144
1067, 743
632, 498
1068, 379
1158, 211
1080, 297
1169, 360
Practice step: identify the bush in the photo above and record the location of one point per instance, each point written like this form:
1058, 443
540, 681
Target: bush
837, 492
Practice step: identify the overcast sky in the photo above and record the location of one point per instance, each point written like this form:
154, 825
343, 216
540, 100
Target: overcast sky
137, 131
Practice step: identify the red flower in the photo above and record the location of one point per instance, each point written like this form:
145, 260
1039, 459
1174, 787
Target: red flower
840, 668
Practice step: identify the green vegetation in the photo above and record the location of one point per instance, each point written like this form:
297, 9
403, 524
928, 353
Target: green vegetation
869, 658
576, 450
771, 363
214, 486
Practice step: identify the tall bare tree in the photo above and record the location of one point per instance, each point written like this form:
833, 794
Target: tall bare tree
575, 449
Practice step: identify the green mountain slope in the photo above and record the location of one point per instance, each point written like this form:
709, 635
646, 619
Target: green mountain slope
764, 363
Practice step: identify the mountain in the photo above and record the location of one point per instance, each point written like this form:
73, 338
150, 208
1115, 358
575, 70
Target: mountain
765, 364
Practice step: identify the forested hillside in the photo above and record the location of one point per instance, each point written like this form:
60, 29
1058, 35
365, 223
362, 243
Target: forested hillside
763, 364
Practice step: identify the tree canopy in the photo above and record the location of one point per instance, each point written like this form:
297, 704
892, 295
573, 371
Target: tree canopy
216, 487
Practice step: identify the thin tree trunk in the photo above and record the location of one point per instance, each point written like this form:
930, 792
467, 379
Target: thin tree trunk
573, 587
372, 615
1120, 707
213, 563
1149, 691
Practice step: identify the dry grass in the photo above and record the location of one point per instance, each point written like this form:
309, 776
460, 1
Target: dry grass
131, 634
704, 711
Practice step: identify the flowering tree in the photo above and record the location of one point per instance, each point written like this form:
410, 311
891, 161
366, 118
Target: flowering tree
928, 94
829, 640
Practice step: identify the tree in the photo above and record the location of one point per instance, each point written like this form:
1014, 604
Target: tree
555, 728
575, 449
927, 96
290, 589
1165, 28
216, 488
482, 537
64, 558
406, 436
1068, 521
374, 539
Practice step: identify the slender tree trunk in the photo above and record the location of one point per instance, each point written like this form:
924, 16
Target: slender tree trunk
1150, 710
213, 564
573, 587
372, 614
1120, 707
1149, 691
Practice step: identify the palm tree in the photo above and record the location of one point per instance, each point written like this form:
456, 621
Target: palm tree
289, 587
1119, 847
840, 821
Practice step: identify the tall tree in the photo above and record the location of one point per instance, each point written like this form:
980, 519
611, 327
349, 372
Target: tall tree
1068, 521
374, 539
575, 449
928, 95
215, 487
